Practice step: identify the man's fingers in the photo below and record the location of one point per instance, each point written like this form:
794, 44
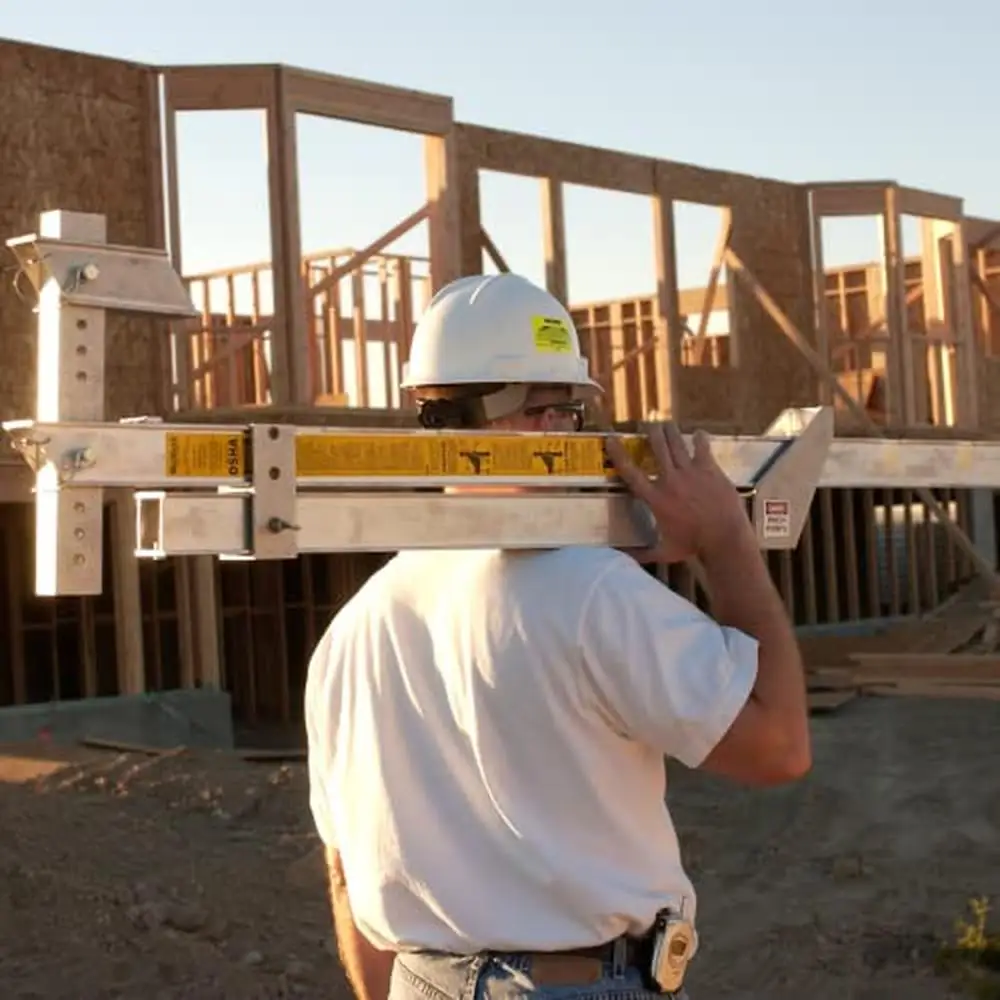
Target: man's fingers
661, 450
702, 449
675, 442
630, 474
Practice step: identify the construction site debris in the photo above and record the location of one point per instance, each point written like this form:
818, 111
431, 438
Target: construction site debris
195, 874
953, 652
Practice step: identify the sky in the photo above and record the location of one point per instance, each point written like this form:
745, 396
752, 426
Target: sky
860, 89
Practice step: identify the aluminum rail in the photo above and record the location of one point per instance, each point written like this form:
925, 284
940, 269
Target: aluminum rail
275, 491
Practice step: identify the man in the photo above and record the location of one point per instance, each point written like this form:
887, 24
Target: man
487, 729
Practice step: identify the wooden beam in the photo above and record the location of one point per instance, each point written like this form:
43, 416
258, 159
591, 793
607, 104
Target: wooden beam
493, 252
189, 596
939, 319
533, 156
157, 227
469, 210
959, 301
689, 301
987, 295
954, 667
821, 318
219, 88
129, 644
668, 320
930, 204
715, 271
981, 233
863, 198
179, 330
554, 236
628, 358
290, 381
156, 201
445, 237
900, 407
357, 260
984, 691
367, 103
204, 596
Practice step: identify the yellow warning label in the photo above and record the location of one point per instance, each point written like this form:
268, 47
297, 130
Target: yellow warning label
405, 455
210, 455
552, 335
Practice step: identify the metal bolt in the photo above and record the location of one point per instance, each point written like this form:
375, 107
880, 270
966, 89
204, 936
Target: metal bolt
276, 525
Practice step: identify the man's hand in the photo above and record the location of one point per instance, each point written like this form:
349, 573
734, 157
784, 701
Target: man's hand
697, 509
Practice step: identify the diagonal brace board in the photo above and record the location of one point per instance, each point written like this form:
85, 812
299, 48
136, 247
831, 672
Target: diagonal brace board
961, 453
271, 491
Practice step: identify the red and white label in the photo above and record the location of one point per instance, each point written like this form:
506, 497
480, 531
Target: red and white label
777, 519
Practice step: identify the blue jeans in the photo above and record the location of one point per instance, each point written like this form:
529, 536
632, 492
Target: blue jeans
476, 977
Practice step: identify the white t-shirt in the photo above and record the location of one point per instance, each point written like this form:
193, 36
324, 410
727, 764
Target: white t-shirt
486, 740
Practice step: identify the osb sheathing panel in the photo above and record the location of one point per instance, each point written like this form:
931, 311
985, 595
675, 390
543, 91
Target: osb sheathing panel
706, 394
770, 234
989, 394
773, 240
77, 133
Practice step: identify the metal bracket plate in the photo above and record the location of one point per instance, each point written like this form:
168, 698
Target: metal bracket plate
274, 509
130, 279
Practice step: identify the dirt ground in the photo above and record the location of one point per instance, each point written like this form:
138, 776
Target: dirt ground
196, 875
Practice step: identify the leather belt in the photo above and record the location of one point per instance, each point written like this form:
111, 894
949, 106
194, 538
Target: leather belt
634, 952
583, 966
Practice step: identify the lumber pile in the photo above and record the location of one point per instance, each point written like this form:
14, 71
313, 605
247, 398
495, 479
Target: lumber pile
951, 652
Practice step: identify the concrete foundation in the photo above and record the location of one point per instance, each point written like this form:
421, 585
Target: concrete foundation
164, 719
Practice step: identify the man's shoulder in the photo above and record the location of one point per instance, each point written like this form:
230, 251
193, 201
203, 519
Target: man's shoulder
574, 574
604, 569
591, 560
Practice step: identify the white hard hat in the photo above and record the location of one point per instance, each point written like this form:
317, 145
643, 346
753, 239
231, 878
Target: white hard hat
497, 329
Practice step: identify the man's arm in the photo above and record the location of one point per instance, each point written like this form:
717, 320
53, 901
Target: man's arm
731, 696
369, 969
668, 675
769, 740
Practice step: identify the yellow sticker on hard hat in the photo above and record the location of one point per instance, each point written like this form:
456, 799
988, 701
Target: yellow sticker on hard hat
552, 335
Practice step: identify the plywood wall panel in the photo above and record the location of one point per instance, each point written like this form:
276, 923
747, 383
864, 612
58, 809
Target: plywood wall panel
76, 133
706, 396
771, 235
989, 394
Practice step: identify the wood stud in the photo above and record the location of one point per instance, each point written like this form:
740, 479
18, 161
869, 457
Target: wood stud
914, 343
